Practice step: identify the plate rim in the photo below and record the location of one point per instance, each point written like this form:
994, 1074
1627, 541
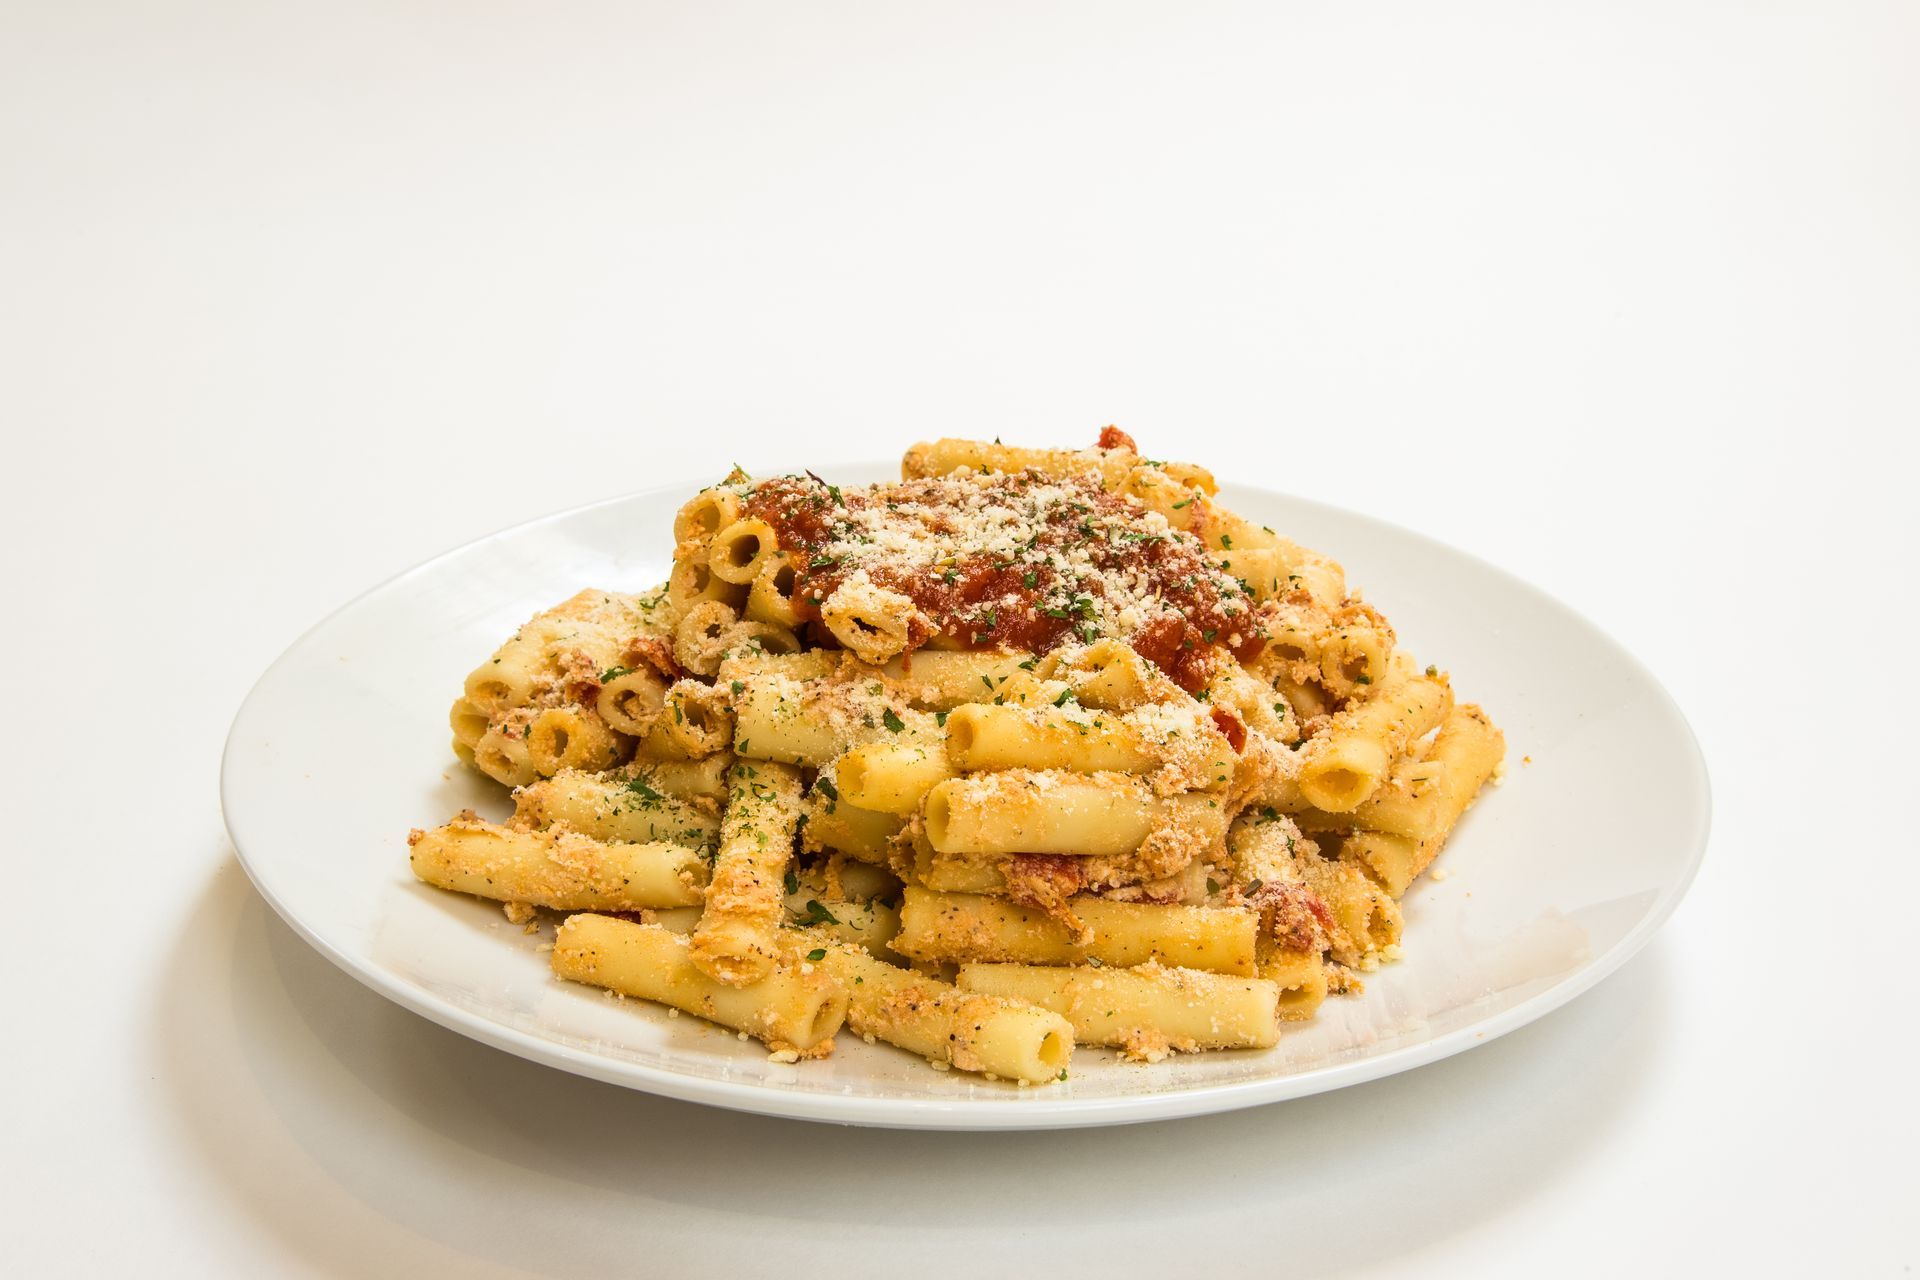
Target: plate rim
1025, 1112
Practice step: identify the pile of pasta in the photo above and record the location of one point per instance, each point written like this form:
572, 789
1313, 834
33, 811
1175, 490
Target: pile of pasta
1035, 749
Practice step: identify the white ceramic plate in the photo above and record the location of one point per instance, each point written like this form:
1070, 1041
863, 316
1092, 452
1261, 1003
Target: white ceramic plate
1553, 881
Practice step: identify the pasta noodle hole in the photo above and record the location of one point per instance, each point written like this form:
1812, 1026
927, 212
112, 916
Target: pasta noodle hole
1379, 928
1340, 784
936, 814
491, 693
1055, 1049
742, 551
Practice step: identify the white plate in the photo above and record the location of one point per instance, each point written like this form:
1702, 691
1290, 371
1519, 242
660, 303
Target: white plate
1554, 879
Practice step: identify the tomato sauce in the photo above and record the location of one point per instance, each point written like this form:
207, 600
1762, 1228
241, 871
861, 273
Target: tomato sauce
1082, 557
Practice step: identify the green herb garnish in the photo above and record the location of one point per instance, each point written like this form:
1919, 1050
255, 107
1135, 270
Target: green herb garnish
817, 914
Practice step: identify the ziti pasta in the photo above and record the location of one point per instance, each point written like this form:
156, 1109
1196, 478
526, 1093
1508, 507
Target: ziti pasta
1034, 746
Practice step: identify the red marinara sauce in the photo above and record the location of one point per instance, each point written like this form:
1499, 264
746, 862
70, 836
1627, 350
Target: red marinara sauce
1019, 561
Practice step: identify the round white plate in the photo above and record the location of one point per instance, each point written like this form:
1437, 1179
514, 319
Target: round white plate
1554, 879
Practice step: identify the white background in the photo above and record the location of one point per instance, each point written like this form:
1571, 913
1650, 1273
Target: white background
295, 295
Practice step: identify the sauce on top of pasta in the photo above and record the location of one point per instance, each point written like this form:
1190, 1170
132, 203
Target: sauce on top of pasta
1022, 561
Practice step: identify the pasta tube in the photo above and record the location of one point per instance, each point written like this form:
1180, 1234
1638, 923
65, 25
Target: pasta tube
891, 777
962, 927
738, 939
1464, 755
1467, 751
509, 678
1355, 656
1300, 976
571, 737
700, 636
609, 808
834, 825
1108, 674
941, 680
871, 621
809, 664
795, 1007
1366, 919
974, 1031
1344, 765
956, 873
813, 722
631, 701
705, 514
468, 722
985, 736
583, 635
770, 596
695, 723
1115, 466
692, 583
687, 779
504, 758
1392, 861
1021, 811
1147, 1010
1260, 568
859, 881
567, 872
741, 550
1409, 803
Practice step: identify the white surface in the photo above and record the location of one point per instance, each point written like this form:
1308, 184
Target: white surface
1531, 910
293, 296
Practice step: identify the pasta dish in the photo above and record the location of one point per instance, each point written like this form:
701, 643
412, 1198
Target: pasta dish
1033, 749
